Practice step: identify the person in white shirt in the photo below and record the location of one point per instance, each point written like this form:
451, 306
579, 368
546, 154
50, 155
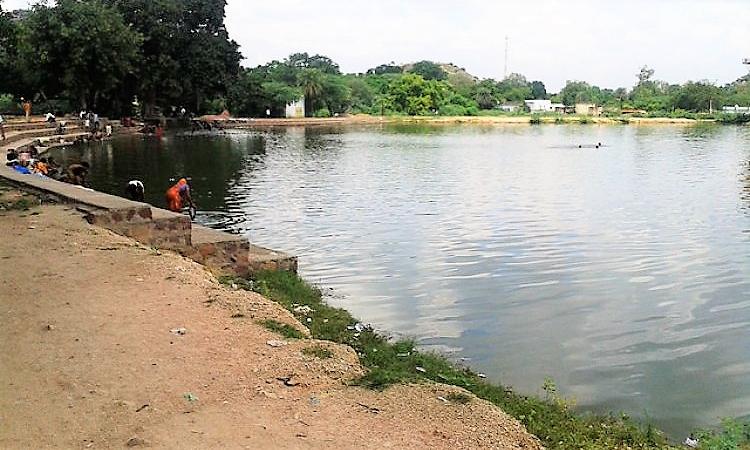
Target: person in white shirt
135, 190
2, 128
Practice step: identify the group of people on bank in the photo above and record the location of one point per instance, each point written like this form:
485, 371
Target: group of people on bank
28, 162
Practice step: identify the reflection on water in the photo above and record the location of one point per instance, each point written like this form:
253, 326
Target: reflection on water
623, 272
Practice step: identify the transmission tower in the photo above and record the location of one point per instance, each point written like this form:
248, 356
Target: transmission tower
507, 44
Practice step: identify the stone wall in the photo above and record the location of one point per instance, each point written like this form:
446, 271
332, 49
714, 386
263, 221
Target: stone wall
223, 253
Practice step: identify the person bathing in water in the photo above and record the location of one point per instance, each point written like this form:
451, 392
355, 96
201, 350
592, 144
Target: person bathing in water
135, 191
179, 194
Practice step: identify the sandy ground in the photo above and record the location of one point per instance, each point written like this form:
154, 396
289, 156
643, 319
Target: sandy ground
87, 359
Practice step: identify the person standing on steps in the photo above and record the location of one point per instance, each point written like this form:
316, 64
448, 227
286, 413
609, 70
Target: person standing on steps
2, 128
26, 105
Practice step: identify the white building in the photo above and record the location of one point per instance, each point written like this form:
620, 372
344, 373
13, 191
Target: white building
736, 109
539, 106
295, 110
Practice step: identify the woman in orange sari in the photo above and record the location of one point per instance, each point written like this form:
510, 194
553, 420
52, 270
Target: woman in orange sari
178, 194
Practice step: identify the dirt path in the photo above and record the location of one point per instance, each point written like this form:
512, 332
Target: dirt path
87, 359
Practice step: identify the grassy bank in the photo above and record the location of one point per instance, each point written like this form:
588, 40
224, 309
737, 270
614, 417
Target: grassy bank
389, 362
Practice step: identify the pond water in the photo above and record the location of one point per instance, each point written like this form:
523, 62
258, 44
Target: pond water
623, 273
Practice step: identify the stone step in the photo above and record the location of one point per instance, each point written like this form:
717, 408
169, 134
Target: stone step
44, 143
15, 136
25, 126
230, 253
48, 143
262, 259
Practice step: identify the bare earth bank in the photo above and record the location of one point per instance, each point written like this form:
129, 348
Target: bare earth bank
88, 359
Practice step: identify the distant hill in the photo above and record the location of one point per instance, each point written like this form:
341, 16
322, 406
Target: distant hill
457, 76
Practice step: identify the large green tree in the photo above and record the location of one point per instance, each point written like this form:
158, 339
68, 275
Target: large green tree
319, 62
413, 95
362, 94
187, 55
699, 97
311, 81
538, 90
578, 92
79, 49
514, 88
486, 94
9, 76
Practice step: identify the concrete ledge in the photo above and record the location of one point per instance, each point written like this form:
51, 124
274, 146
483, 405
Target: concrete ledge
68, 193
223, 253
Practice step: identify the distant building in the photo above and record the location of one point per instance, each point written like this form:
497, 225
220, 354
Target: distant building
539, 106
588, 109
736, 109
295, 110
560, 108
509, 107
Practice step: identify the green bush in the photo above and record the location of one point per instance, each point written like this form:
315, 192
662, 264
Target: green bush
736, 119
214, 106
283, 329
733, 435
323, 112
472, 111
453, 111
8, 105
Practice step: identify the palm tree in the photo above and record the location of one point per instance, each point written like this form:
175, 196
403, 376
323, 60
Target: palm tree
311, 82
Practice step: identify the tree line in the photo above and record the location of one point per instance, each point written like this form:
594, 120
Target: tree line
104, 54
169, 54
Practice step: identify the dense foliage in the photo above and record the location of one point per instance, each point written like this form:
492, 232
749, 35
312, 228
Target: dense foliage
102, 54
169, 54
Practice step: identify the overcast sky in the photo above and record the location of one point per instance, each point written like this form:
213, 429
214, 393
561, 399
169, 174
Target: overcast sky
604, 42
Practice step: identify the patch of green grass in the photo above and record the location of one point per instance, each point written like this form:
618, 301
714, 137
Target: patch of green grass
22, 204
283, 329
390, 362
733, 435
236, 282
318, 352
459, 398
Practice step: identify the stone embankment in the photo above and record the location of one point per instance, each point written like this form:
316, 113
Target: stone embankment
20, 134
223, 253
